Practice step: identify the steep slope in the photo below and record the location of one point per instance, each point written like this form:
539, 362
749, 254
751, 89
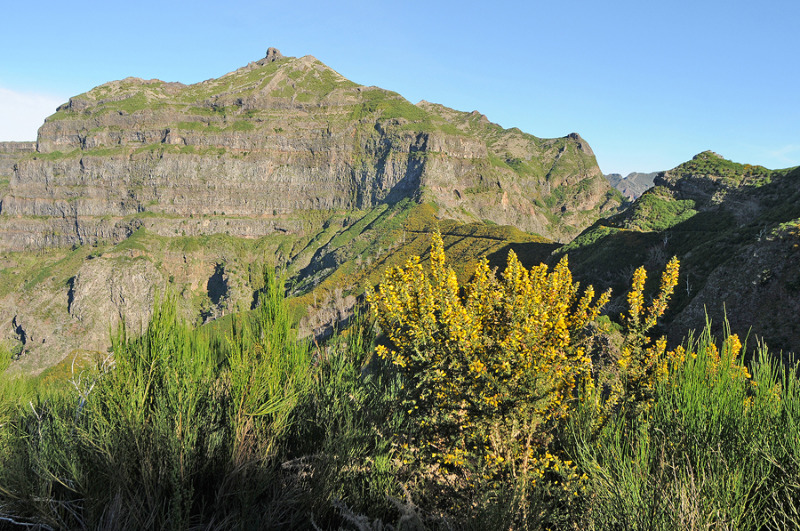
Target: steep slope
736, 228
140, 187
547, 186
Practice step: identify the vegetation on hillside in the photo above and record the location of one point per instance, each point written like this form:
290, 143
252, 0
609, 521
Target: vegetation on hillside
507, 401
711, 164
726, 222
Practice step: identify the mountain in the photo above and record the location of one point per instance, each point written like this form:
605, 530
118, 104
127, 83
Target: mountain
632, 185
279, 136
138, 187
736, 229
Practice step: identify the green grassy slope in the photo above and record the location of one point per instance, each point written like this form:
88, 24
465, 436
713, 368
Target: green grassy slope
732, 226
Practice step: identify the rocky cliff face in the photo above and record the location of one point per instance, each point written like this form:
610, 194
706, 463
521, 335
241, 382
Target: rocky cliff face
10, 153
276, 137
128, 185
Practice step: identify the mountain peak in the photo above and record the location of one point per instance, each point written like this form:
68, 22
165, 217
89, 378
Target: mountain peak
271, 120
273, 54
707, 155
581, 143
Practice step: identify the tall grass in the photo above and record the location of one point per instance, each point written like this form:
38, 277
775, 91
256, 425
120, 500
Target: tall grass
184, 429
716, 450
346, 438
254, 429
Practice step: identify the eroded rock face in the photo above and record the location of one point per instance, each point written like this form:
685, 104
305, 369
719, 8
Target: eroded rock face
112, 291
10, 153
260, 178
272, 149
276, 137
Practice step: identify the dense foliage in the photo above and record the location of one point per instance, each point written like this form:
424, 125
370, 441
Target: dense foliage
489, 373
507, 402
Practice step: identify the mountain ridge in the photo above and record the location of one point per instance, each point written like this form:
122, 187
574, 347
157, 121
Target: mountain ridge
736, 229
633, 185
140, 186
379, 147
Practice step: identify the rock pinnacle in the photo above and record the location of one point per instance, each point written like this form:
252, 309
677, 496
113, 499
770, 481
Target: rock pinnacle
273, 54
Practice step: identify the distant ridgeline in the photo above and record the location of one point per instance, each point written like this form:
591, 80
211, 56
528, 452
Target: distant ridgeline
632, 185
137, 187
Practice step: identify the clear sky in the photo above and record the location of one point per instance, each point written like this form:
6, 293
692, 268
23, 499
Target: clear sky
647, 84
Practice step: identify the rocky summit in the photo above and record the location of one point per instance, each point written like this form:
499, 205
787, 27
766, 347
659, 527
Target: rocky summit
282, 150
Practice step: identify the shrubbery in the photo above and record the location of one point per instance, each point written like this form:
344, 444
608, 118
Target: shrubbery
502, 403
181, 429
490, 369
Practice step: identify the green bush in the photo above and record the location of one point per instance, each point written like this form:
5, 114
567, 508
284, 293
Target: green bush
182, 428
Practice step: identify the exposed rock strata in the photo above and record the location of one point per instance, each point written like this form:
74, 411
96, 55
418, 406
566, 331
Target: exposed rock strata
283, 148
279, 136
104, 292
10, 154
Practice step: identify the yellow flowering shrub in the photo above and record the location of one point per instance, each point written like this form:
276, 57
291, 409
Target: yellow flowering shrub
491, 366
643, 362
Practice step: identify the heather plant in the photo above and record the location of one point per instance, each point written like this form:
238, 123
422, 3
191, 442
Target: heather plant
267, 373
176, 427
343, 441
182, 428
11, 389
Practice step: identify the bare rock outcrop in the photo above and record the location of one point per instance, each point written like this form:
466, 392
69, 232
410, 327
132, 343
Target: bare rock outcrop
10, 153
113, 291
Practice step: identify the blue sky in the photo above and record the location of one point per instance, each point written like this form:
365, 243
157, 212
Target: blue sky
647, 84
